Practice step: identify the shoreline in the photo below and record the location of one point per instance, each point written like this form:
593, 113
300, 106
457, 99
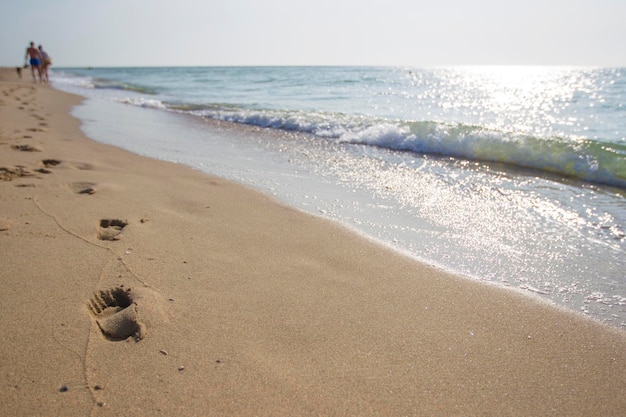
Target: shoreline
520, 230
243, 306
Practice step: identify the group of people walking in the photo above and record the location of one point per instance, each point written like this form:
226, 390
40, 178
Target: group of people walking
39, 62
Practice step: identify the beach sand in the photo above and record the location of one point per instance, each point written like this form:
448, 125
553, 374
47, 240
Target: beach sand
138, 287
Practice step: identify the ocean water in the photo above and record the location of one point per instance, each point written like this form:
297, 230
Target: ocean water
511, 175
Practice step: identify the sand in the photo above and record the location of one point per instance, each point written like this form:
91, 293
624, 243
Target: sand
138, 287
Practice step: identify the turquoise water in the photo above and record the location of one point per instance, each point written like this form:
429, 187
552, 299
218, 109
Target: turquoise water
513, 175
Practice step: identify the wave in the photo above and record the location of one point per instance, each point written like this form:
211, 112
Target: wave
143, 102
117, 85
68, 78
579, 158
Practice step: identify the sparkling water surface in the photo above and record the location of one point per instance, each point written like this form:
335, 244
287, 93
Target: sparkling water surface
508, 175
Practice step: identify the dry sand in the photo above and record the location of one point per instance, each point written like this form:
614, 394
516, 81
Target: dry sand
230, 304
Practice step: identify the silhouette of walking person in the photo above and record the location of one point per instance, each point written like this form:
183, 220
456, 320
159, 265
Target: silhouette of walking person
35, 61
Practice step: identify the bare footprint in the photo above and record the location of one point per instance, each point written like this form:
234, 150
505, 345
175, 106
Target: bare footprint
110, 229
83, 166
50, 162
5, 225
25, 148
83, 187
87, 190
115, 312
9, 174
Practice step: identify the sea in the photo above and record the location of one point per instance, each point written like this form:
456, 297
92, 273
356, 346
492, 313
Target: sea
514, 176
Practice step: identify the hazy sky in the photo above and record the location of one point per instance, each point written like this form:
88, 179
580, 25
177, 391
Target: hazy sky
319, 32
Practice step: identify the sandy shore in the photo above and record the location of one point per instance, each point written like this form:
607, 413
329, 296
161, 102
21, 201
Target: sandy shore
140, 288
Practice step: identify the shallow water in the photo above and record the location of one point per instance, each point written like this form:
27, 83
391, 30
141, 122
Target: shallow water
552, 236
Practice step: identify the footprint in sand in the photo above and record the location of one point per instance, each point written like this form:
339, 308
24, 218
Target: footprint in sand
25, 148
83, 187
83, 166
9, 174
86, 190
50, 162
110, 229
115, 312
5, 225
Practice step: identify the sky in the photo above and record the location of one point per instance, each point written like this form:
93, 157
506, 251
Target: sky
80, 33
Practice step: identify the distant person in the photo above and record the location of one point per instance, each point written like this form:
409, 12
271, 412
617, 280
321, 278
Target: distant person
46, 61
35, 60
